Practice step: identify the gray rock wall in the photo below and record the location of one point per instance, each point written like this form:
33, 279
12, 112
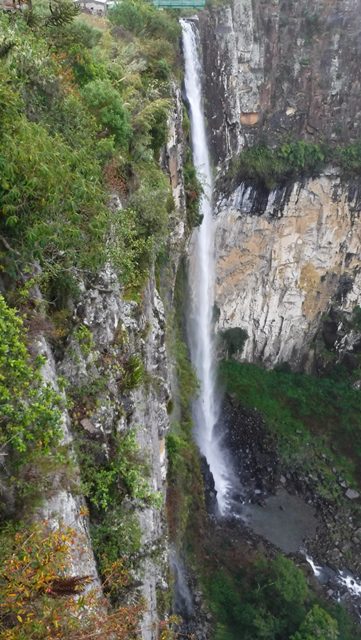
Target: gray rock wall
281, 68
283, 260
107, 315
64, 505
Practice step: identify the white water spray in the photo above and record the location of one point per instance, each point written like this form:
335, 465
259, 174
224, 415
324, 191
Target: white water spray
201, 277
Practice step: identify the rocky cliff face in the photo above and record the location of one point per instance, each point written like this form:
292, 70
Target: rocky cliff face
281, 68
275, 71
64, 505
118, 328
283, 259
107, 332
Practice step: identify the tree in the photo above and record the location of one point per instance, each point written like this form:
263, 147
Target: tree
106, 104
318, 625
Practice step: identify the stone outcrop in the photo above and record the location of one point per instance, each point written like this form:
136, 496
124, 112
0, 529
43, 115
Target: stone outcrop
278, 69
119, 328
64, 506
282, 259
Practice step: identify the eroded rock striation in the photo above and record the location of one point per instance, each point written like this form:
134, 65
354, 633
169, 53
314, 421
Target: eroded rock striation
283, 260
281, 69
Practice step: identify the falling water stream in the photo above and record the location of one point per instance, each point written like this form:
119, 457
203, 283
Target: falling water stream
201, 278
207, 407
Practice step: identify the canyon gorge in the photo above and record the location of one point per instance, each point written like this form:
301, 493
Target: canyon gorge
180, 298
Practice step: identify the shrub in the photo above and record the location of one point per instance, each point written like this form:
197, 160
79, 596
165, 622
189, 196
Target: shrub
105, 103
266, 600
142, 18
34, 564
193, 191
116, 540
317, 624
270, 167
41, 599
45, 188
29, 409
152, 201
109, 478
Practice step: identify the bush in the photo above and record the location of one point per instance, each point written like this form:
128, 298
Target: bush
45, 188
33, 574
105, 103
143, 19
116, 539
193, 191
152, 201
317, 624
107, 479
29, 410
270, 167
267, 600
41, 598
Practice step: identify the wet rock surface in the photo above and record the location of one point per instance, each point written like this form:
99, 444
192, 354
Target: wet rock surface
253, 449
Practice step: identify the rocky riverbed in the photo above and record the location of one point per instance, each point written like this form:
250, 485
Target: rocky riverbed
279, 507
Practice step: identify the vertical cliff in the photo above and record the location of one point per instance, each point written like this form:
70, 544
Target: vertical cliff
279, 69
99, 225
277, 72
283, 261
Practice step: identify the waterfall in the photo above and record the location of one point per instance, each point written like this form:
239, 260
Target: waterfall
206, 408
183, 603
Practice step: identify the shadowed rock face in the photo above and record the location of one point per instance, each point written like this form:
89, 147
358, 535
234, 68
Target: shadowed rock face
275, 69
282, 260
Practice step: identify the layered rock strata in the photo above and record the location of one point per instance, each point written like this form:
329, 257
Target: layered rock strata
283, 259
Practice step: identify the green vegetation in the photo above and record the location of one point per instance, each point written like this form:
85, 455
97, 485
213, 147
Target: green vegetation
143, 19
356, 318
185, 494
306, 414
84, 105
317, 624
193, 191
106, 478
33, 566
270, 600
30, 429
271, 167
37, 590
86, 112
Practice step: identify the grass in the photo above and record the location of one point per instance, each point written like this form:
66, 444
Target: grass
314, 419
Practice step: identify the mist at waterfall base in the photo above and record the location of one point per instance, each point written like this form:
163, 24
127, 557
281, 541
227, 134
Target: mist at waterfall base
201, 278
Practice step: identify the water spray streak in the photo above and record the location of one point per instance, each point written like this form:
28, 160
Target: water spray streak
201, 276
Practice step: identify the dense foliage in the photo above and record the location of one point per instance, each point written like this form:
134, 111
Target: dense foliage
40, 598
271, 167
84, 105
86, 112
30, 430
270, 600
